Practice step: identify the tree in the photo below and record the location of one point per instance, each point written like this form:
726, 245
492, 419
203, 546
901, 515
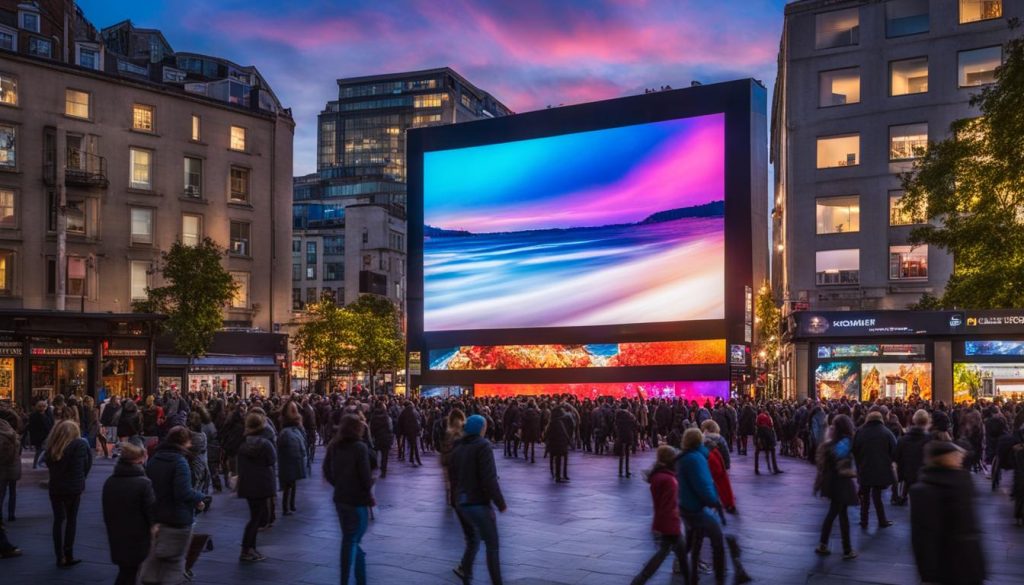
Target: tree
769, 320
970, 187
373, 337
321, 339
196, 291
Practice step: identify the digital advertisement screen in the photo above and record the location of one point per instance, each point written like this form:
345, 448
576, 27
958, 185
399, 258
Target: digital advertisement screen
972, 381
603, 355
994, 348
907, 380
699, 391
833, 380
607, 227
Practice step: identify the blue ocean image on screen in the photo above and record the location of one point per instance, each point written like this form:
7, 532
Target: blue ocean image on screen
615, 226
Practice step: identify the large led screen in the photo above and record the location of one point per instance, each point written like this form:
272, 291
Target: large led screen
896, 381
700, 391
594, 355
608, 227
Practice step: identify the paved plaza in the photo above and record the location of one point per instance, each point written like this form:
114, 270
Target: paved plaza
593, 531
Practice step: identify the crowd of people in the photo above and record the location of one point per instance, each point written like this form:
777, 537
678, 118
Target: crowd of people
176, 451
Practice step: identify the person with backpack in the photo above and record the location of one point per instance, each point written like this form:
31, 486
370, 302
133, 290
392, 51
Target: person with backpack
835, 481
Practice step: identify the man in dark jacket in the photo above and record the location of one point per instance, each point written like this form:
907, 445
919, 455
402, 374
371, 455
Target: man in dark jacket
410, 427
174, 510
625, 436
382, 433
944, 527
474, 480
745, 427
510, 422
597, 423
531, 431
873, 449
909, 454
128, 500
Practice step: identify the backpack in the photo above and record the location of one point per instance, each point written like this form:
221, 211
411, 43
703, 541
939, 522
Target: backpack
9, 450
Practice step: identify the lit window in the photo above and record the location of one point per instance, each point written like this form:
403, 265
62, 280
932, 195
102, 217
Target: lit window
424, 119
240, 238
978, 67
195, 127
8, 146
193, 177
908, 141
908, 262
191, 229
142, 226
239, 192
76, 103
899, 216
975, 10
240, 300
8, 89
40, 47
908, 76
838, 28
839, 87
906, 17
141, 168
431, 100
237, 138
142, 117
6, 272
837, 215
139, 280
8, 217
837, 267
839, 151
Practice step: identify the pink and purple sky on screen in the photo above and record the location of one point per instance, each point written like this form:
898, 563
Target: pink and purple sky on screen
527, 53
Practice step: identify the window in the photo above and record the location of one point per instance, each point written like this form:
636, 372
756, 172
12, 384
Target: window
837, 215
237, 138
311, 260
8, 146
141, 164
78, 270
8, 216
76, 103
296, 271
191, 229
839, 87
6, 272
139, 280
296, 246
838, 151
240, 300
8, 89
467, 102
8, 39
334, 271
311, 295
327, 293
193, 177
978, 67
908, 262
334, 245
396, 241
837, 267
240, 238
975, 10
142, 226
839, 28
142, 117
424, 119
239, 185
40, 47
77, 220
195, 127
88, 57
908, 76
297, 299
430, 100
908, 141
898, 216
30, 21
906, 17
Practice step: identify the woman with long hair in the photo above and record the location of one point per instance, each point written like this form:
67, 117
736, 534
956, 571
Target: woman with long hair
256, 459
835, 481
292, 455
68, 460
347, 467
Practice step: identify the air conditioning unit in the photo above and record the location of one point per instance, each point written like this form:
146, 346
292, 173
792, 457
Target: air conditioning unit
192, 191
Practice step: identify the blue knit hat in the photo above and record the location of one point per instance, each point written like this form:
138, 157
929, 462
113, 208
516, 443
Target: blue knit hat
474, 425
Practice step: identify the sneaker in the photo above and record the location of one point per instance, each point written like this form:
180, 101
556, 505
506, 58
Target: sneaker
823, 550
251, 557
850, 554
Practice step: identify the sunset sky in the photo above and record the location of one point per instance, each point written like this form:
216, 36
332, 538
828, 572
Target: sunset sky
527, 53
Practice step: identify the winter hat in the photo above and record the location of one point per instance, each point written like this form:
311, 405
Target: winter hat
474, 425
939, 448
940, 421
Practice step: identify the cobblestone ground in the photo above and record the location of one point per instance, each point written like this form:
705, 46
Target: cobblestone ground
593, 531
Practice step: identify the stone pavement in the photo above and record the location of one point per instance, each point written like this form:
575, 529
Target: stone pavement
593, 531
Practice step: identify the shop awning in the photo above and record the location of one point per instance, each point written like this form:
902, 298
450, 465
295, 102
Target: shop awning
261, 363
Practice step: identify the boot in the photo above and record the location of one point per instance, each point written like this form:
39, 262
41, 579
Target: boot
734, 552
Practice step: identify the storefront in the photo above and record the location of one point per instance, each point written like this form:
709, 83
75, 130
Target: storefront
239, 363
48, 353
989, 362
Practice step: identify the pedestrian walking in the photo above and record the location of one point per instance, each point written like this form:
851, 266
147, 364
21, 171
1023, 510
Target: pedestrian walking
292, 456
625, 436
474, 478
909, 455
68, 460
556, 440
347, 467
382, 432
410, 426
835, 481
873, 448
256, 483
40, 423
128, 500
666, 524
10, 462
531, 431
699, 503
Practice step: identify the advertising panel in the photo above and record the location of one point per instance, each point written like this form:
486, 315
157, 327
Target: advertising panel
699, 391
833, 380
887, 380
603, 355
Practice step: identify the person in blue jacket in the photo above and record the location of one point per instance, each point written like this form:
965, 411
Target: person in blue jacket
699, 503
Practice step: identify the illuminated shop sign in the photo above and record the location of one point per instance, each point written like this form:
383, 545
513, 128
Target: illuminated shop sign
882, 323
62, 351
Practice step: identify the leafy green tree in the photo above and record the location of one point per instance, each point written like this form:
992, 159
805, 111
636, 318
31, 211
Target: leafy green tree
768, 318
970, 186
195, 293
321, 339
373, 337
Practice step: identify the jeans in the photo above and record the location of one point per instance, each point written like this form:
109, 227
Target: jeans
259, 511
869, 495
666, 543
478, 523
10, 487
353, 520
699, 526
837, 509
65, 523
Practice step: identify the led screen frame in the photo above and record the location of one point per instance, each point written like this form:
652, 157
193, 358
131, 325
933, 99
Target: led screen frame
743, 104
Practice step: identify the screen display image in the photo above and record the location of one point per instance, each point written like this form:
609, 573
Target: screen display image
700, 391
973, 381
993, 348
833, 380
608, 227
896, 381
604, 355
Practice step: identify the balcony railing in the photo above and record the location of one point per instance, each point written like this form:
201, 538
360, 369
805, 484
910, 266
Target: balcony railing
81, 168
838, 277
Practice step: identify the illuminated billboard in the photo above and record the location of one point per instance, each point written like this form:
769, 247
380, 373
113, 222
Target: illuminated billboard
592, 355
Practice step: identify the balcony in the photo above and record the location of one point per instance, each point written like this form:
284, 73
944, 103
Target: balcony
82, 169
838, 278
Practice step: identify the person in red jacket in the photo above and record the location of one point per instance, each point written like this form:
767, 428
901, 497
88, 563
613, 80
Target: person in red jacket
666, 525
764, 442
716, 445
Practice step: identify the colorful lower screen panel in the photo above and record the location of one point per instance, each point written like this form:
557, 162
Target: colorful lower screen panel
907, 380
699, 391
605, 355
973, 381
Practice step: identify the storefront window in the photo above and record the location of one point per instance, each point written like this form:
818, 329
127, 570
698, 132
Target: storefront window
908, 380
223, 382
68, 377
124, 376
253, 386
7, 379
974, 381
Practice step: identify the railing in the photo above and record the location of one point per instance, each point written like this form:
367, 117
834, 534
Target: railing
838, 277
81, 168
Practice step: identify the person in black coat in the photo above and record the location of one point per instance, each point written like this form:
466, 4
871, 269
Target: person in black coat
557, 439
873, 449
256, 483
40, 423
510, 423
625, 435
745, 427
410, 428
531, 431
909, 454
944, 530
382, 433
347, 467
128, 500
68, 460
835, 482
130, 423
601, 429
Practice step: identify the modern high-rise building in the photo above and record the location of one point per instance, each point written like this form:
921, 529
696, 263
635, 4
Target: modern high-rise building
349, 217
863, 86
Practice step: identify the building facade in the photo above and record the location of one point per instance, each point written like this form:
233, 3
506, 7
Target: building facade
863, 87
350, 216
